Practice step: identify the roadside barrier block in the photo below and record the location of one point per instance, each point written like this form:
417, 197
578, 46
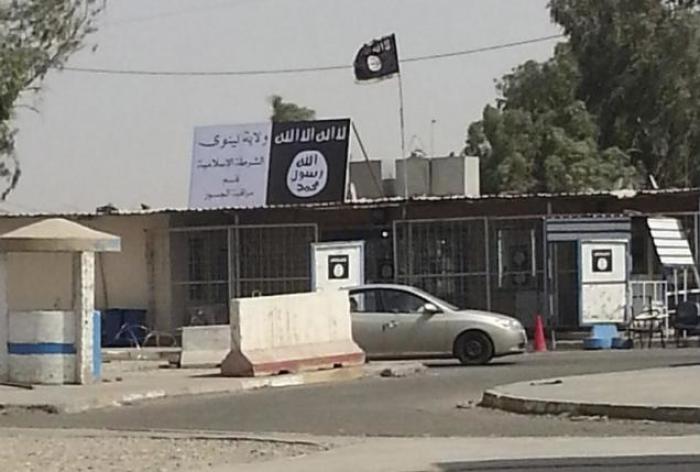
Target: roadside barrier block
205, 346
291, 333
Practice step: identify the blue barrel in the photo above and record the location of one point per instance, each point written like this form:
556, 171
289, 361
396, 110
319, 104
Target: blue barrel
134, 317
113, 322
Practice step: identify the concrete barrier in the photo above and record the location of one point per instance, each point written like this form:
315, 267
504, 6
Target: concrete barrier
205, 346
41, 347
290, 333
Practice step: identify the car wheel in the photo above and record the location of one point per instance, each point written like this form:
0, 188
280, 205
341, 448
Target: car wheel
473, 348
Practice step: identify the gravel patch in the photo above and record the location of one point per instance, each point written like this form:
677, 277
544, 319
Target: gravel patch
42, 453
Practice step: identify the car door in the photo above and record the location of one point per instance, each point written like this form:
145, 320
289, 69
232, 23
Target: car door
409, 329
369, 321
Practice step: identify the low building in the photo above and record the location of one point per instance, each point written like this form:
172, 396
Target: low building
489, 252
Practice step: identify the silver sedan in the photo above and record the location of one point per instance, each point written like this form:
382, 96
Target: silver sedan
403, 321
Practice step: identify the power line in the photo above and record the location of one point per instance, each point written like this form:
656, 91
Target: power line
299, 70
484, 49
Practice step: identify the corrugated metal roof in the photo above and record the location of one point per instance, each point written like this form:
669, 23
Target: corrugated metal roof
362, 203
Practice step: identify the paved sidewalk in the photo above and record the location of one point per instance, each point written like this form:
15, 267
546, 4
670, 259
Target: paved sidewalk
664, 394
437, 454
45, 450
62, 450
129, 382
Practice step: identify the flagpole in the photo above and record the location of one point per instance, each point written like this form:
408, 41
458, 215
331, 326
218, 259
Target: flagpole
403, 139
377, 181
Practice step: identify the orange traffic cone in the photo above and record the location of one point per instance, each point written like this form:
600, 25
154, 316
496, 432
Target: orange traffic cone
540, 343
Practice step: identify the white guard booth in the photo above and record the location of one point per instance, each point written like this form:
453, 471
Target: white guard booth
337, 265
603, 277
602, 246
45, 345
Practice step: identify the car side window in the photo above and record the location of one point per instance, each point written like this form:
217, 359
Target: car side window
366, 301
398, 301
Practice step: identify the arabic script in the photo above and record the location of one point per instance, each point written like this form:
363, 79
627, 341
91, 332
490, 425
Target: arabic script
308, 174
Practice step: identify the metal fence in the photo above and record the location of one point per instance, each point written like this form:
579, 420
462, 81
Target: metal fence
447, 258
482, 263
269, 260
209, 266
498, 264
647, 295
501, 264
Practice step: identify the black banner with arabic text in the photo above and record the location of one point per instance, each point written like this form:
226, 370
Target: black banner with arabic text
308, 161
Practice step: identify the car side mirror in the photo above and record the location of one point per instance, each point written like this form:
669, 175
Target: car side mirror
430, 309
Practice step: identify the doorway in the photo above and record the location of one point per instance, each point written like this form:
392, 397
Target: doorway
564, 303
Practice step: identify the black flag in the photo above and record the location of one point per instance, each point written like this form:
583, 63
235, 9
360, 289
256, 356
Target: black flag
308, 161
377, 60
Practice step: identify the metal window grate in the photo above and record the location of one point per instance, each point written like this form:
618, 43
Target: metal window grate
481, 263
271, 260
212, 265
446, 257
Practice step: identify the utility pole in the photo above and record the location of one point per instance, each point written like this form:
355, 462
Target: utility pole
432, 137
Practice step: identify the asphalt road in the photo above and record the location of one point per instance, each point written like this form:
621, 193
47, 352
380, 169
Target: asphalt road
436, 403
627, 464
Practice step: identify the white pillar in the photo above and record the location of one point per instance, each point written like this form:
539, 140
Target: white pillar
83, 308
4, 320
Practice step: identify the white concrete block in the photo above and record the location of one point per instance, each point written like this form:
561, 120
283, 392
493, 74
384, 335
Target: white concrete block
42, 369
41, 347
42, 326
205, 346
291, 333
288, 320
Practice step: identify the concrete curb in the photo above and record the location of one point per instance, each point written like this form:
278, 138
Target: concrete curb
170, 354
191, 387
535, 406
115, 399
322, 442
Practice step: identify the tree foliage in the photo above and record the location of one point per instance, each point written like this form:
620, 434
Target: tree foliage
35, 37
288, 111
619, 100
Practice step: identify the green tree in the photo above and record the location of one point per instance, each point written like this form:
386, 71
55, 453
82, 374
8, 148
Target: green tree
620, 99
640, 76
288, 111
541, 138
35, 37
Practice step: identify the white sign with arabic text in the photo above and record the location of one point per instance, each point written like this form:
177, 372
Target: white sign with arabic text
230, 166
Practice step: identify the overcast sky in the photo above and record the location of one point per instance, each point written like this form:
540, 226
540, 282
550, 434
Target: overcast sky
127, 140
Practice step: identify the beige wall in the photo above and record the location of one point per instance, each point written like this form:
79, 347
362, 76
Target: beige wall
160, 288
137, 277
37, 280
40, 281
122, 277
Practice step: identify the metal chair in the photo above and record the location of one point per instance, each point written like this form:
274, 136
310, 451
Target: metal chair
649, 321
686, 321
